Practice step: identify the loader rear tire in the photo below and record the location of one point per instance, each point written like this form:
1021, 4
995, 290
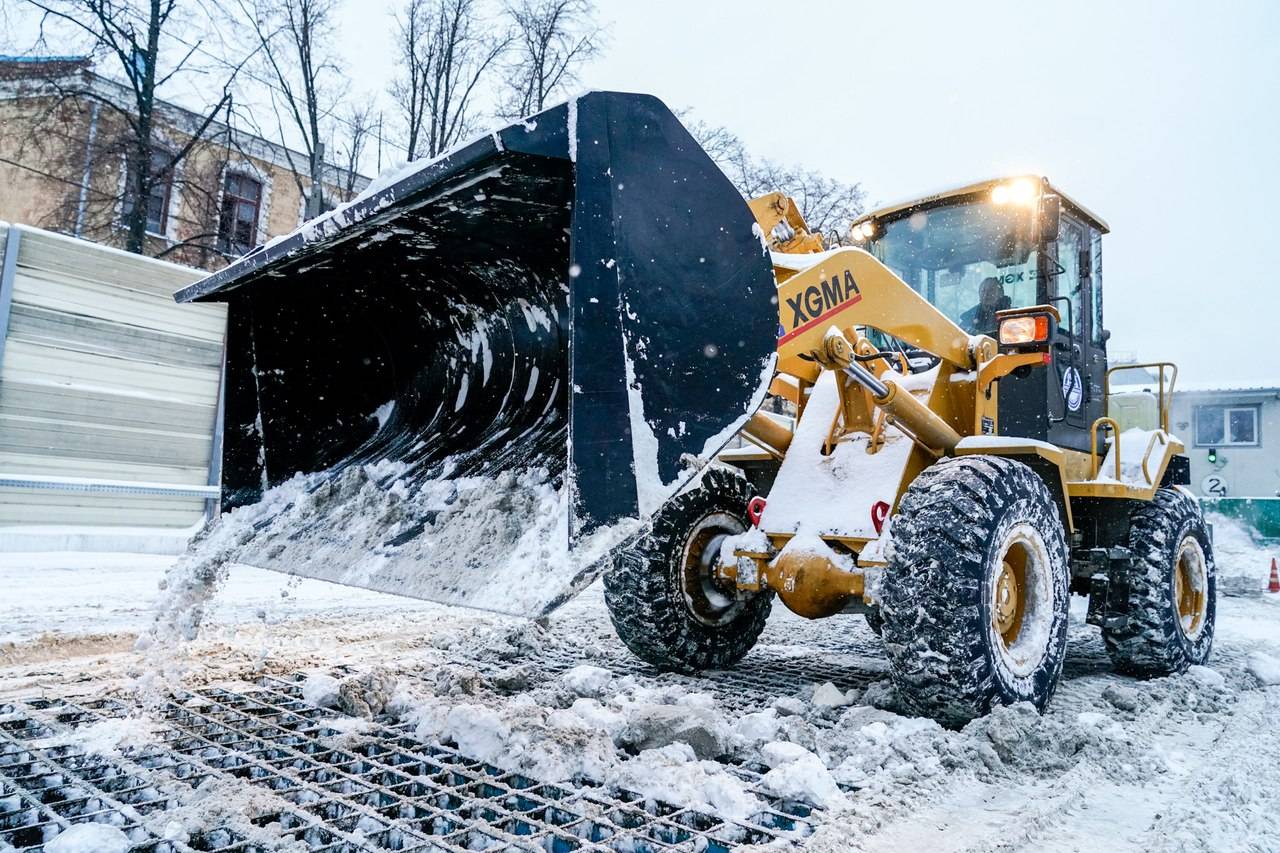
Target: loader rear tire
664, 603
1172, 589
975, 595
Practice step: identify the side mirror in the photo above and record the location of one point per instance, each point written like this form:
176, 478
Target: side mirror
1106, 335
1050, 217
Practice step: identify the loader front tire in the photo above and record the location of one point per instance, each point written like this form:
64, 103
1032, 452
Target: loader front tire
1168, 622
665, 603
975, 594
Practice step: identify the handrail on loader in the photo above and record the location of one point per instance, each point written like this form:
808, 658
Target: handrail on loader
1164, 396
1157, 436
1094, 462
1161, 436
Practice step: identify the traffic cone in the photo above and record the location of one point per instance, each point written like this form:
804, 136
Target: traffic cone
1273, 585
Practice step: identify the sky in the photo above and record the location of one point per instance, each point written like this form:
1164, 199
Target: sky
1161, 117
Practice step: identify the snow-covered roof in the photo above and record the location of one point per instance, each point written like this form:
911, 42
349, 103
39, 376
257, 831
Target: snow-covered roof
1216, 386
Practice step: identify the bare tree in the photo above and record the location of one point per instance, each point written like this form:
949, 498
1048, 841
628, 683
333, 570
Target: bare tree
408, 89
358, 124
445, 49
828, 205
137, 39
294, 41
552, 40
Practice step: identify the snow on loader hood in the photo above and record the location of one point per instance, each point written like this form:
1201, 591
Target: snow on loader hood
473, 381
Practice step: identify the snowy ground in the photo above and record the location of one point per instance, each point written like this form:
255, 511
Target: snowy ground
74, 594
1184, 763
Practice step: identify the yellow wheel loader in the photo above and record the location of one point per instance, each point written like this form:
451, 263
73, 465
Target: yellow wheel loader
521, 365
952, 465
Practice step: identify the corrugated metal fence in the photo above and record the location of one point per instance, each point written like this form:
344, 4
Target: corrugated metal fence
108, 388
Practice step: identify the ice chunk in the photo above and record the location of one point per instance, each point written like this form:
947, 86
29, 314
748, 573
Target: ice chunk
1101, 723
703, 729
89, 838
1207, 677
760, 727
587, 680
321, 690
110, 737
552, 748
367, 694
674, 775
799, 774
594, 715
830, 696
1264, 667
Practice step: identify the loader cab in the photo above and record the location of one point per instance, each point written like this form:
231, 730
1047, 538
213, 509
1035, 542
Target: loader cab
1010, 243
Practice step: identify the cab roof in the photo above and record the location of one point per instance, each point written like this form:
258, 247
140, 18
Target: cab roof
933, 199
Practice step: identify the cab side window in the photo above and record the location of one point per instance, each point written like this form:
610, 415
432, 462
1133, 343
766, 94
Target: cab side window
1095, 289
1069, 278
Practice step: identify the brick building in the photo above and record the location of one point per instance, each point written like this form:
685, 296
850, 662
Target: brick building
63, 168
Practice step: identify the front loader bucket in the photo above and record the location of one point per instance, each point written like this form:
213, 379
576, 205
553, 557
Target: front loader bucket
474, 381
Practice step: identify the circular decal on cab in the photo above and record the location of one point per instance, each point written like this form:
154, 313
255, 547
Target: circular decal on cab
1072, 389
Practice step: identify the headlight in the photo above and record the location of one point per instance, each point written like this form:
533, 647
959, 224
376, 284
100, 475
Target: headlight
1028, 329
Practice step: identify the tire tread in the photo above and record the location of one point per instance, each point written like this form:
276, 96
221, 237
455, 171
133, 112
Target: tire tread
649, 618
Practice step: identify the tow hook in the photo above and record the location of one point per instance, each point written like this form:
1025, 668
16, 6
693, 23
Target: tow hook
879, 512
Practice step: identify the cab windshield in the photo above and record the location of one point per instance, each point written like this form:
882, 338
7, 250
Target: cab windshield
970, 259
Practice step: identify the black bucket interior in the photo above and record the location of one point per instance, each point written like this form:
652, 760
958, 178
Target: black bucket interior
439, 340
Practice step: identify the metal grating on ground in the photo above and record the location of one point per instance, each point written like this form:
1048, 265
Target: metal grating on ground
391, 792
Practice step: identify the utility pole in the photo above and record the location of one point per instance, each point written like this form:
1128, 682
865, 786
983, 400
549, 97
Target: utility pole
379, 141
315, 199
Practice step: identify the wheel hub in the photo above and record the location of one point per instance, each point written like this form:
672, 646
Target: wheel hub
1008, 610
708, 600
1021, 602
1191, 587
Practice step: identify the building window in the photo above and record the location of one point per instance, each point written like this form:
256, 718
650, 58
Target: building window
1224, 426
238, 220
158, 199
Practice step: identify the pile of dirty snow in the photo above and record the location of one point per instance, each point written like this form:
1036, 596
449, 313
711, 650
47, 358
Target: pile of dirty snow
672, 745
1244, 563
497, 543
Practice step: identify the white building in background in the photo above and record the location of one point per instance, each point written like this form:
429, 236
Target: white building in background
1231, 429
1232, 433
109, 397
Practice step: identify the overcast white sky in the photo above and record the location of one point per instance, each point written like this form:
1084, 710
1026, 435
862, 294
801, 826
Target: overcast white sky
1163, 118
